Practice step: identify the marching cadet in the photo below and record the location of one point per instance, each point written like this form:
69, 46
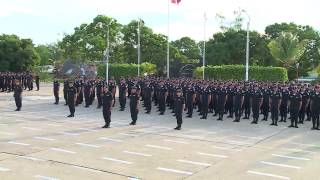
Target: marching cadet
71, 95
284, 104
56, 88
275, 101
17, 95
305, 101
238, 100
163, 93
38, 82
205, 101
107, 101
265, 108
190, 97
256, 103
113, 89
247, 102
99, 89
122, 94
179, 108
148, 94
315, 108
134, 105
65, 90
295, 102
222, 99
87, 93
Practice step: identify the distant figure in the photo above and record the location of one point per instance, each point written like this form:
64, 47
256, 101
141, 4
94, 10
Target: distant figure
17, 95
38, 82
56, 88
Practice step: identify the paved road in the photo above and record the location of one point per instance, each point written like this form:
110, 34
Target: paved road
41, 143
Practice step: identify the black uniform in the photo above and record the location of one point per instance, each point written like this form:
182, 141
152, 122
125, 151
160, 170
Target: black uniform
179, 103
162, 99
275, 98
284, 106
134, 99
205, 100
56, 87
148, 92
303, 110
99, 93
256, 103
295, 105
238, 98
107, 99
17, 96
265, 107
189, 103
122, 96
222, 98
315, 109
38, 82
72, 91
87, 94
65, 91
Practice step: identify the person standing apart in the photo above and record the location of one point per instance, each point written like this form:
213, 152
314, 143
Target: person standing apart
134, 105
179, 108
17, 95
72, 91
107, 102
56, 88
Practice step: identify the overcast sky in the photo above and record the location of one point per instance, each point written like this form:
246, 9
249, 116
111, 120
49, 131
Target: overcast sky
45, 21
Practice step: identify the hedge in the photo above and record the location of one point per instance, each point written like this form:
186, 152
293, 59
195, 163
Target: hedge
237, 72
121, 70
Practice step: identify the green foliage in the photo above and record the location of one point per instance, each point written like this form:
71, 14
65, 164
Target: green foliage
237, 72
17, 54
122, 70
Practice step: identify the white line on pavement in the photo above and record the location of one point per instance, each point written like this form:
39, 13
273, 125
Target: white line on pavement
44, 138
88, 145
125, 134
4, 169
17, 143
117, 160
158, 147
280, 165
303, 144
31, 158
90, 130
299, 150
269, 175
213, 155
175, 171
69, 134
225, 148
193, 162
174, 141
139, 154
110, 139
291, 157
45, 177
63, 150
32, 129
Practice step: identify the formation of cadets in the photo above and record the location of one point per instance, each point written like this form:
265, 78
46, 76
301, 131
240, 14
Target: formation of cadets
16, 83
277, 101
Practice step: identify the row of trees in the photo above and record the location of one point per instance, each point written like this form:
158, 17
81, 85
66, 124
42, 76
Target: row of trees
281, 45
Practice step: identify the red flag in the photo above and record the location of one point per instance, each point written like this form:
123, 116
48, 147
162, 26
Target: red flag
175, 1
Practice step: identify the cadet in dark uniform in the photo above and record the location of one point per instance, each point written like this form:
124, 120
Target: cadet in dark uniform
256, 103
275, 101
265, 108
134, 105
295, 102
87, 93
179, 107
284, 104
247, 102
56, 88
190, 97
107, 101
305, 102
17, 95
222, 98
122, 94
72, 91
148, 94
238, 98
205, 101
38, 82
163, 93
315, 108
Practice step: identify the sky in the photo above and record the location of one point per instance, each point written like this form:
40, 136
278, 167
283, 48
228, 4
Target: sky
45, 21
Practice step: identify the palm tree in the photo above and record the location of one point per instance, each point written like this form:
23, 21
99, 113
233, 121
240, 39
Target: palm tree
287, 49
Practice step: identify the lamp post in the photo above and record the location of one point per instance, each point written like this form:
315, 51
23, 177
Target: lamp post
139, 48
247, 45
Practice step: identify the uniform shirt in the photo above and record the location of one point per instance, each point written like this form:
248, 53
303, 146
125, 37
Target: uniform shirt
122, 89
315, 99
295, 99
71, 93
99, 87
56, 86
238, 96
205, 95
222, 94
17, 91
148, 91
106, 101
285, 96
189, 94
275, 97
179, 102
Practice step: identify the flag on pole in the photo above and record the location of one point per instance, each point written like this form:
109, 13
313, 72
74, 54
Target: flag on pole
175, 2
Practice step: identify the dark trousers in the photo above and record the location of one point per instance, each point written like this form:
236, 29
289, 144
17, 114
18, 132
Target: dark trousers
38, 85
107, 116
247, 109
65, 96
204, 109
134, 114
190, 108
274, 115
18, 101
179, 118
237, 111
99, 100
162, 106
71, 107
56, 95
283, 111
265, 110
294, 114
315, 119
147, 103
122, 100
87, 99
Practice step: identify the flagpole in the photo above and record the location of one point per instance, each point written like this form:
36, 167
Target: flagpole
168, 43
139, 49
204, 47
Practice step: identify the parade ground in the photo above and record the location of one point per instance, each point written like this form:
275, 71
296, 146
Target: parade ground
40, 142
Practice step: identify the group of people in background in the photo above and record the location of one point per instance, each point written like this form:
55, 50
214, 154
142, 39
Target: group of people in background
278, 101
16, 83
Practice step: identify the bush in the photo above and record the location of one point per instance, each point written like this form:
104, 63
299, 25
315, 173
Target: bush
122, 70
237, 72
